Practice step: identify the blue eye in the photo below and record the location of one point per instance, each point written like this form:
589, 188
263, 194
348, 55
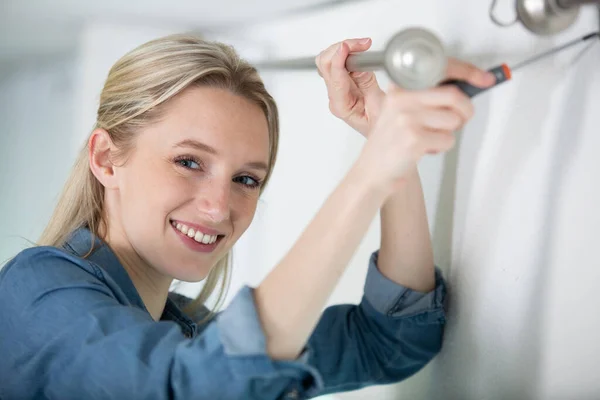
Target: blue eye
188, 163
248, 181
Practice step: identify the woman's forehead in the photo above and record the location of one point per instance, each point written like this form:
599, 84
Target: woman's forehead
213, 119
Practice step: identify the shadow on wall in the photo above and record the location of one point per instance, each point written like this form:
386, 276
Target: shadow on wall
452, 199
453, 195
448, 204
460, 365
441, 236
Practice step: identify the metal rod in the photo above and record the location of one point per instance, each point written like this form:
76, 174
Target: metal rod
555, 50
413, 58
290, 63
575, 3
368, 61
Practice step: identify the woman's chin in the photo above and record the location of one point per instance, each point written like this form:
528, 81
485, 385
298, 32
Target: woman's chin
189, 275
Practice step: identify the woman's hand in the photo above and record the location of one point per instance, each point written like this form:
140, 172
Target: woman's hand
410, 125
356, 98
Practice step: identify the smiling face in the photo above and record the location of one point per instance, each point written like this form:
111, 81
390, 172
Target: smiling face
190, 187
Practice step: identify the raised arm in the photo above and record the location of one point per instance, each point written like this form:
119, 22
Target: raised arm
406, 253
291, 298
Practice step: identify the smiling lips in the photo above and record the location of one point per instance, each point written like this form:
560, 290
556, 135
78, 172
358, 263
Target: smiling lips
197, 235
195, 238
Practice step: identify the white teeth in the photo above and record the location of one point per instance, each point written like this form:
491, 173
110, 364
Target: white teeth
196, 235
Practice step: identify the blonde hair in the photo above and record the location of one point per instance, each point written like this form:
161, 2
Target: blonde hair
136, 87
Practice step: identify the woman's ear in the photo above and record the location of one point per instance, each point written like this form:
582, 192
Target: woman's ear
100, 147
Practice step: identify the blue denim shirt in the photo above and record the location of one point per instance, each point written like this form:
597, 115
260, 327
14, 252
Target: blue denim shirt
76, 328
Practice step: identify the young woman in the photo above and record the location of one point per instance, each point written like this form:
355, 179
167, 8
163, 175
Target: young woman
185, 141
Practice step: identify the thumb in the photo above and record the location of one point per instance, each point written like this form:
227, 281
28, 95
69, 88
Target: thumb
339, 82
339, 74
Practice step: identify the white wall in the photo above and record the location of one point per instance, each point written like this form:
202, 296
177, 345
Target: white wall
36, 112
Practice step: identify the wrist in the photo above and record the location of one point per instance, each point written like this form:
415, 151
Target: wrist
373, 110
409, 178
366, 178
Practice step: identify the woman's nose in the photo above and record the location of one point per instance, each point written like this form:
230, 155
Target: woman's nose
214, 200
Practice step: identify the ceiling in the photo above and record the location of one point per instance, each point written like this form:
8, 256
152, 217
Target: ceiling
47, 26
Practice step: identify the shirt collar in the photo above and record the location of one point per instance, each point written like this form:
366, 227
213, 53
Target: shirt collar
83, 243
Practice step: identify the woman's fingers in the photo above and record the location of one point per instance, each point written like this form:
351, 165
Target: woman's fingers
337, 53
440, 119
332, 64
465, 71
435, 142
448, 96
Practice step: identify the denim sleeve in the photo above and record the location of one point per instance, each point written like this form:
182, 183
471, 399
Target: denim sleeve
388, 337
387, 297
66, 336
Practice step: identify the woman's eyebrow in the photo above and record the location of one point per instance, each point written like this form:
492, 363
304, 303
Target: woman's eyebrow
206, 148
257, 165
196, 145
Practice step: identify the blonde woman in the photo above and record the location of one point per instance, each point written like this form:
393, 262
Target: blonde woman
185, 141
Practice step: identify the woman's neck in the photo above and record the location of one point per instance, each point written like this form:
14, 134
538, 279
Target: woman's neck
152, 286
